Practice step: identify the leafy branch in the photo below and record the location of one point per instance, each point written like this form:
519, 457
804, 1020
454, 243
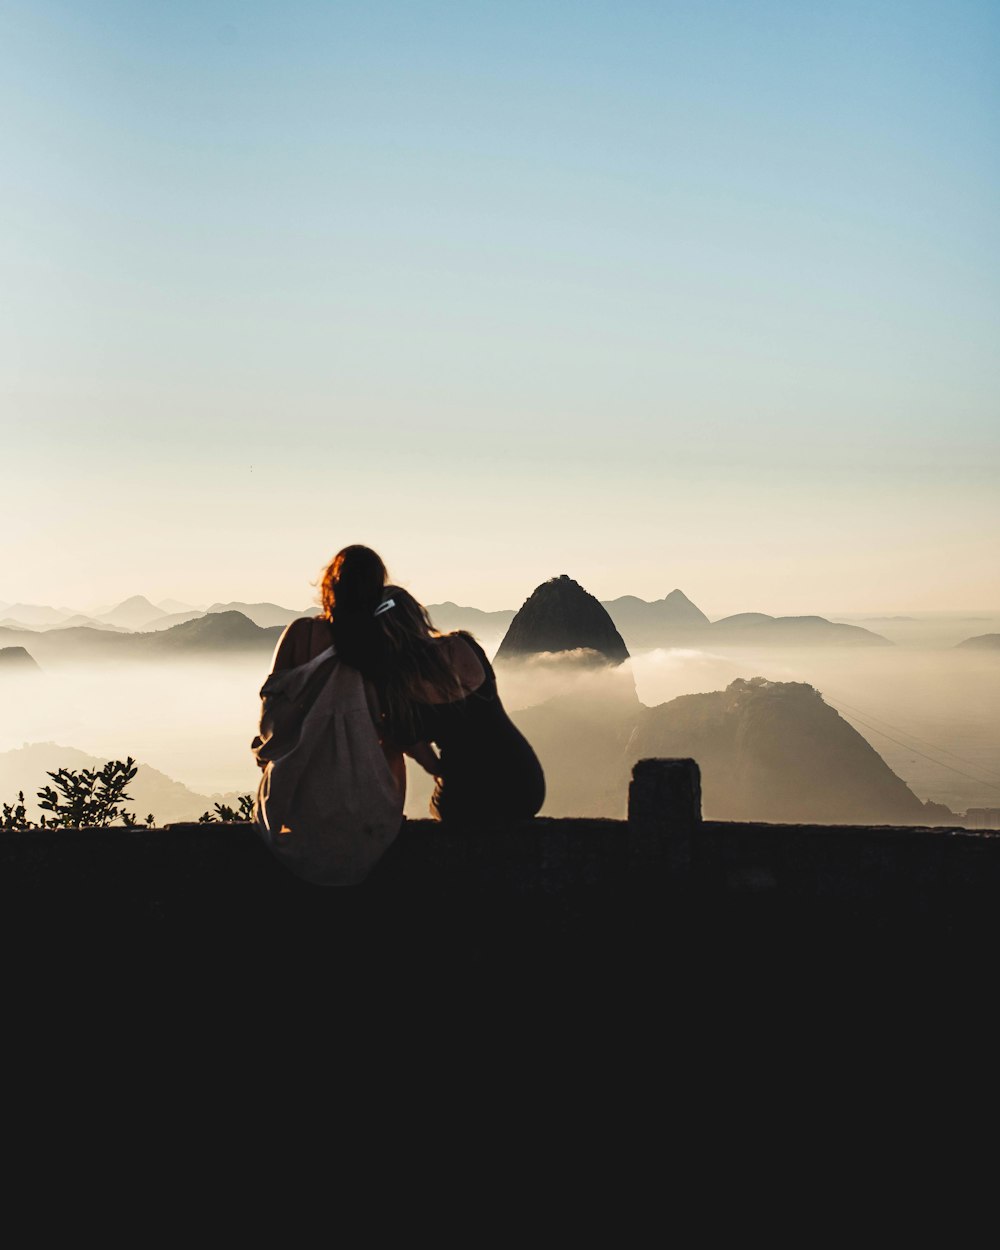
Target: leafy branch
92, 797
230, 815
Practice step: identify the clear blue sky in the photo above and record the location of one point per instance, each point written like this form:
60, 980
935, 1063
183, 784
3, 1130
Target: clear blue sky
660, 294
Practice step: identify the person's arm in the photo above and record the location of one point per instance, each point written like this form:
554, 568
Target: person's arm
426, 757
288, 653
284, 652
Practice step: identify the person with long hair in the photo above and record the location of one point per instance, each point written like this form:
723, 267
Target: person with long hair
439, 690
351, 589
431, 690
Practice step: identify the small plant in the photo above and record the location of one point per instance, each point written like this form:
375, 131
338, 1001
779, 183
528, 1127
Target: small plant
15, 816
88, 798
229, 815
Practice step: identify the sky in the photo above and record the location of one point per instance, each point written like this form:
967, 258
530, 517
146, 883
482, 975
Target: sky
699, 295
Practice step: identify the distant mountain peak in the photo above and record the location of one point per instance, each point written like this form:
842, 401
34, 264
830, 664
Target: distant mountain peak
133, 612
654, 624
559, 615
679, 602
220, 627
263, 614
982, 642
34, 614
138, 601
17, 659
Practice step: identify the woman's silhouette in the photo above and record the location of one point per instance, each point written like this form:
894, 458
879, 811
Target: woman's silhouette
440, 691
430, 690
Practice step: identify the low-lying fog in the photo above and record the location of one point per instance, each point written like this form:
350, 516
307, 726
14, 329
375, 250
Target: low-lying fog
194, 720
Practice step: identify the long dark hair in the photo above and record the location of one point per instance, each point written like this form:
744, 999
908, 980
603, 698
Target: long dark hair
350, 590
413, 662
396, 649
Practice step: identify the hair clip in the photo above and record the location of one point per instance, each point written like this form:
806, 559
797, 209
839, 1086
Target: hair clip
384, 606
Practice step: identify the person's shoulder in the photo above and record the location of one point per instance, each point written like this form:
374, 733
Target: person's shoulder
304, 624
466, 657
301, 627
295, 642
458, 642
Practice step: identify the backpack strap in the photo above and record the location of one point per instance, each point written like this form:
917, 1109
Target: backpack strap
314, 685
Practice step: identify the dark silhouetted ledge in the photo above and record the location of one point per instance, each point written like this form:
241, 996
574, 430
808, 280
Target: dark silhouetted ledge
542, 901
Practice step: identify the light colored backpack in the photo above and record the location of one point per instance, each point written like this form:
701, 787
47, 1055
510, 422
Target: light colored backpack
328, 805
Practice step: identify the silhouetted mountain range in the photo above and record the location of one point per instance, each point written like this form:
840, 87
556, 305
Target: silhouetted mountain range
676, 621
220, 632
34, 613
449, 616
768, 750
263, 614
756, 628
134, 613
73, 622
641, 624
645, 624
673, 620
170, 620
171, 606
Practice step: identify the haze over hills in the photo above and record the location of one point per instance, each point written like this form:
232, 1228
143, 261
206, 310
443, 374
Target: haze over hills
776, 751
78, 642
78, 697
69, 622
930, 631
170, 620
676, 621
449, 616
78, 619
17, 659
643, 625
982, 642
34, 613
263, 614
134, 613
220, 632
170, 606
768, 750
756, 628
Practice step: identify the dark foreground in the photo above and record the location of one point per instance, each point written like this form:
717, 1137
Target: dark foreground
630, 992
660, 916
